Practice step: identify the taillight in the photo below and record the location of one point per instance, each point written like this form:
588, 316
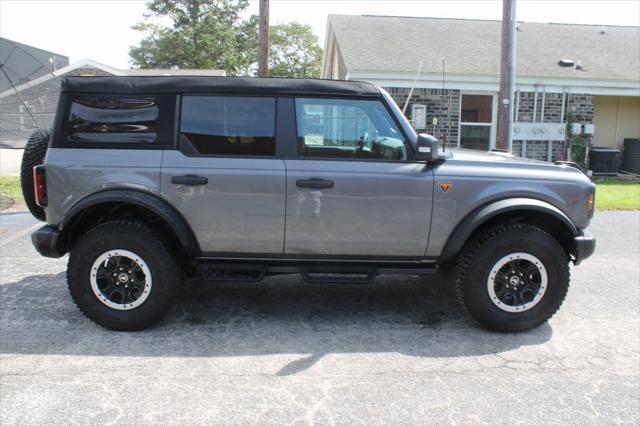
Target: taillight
40, 185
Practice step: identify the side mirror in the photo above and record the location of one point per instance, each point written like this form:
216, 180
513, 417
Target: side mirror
427, 146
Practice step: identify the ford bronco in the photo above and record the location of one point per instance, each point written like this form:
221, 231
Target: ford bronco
144, 180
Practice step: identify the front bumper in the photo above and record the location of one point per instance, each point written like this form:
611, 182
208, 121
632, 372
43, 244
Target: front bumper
585, 246
46, 240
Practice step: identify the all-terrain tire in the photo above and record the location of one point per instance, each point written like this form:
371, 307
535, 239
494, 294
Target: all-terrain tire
149, 248
33, 155
484, 251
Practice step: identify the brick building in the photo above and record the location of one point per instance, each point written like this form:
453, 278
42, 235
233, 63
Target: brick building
596, 86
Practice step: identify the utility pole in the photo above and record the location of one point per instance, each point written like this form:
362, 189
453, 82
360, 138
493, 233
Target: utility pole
507, 75
263, 40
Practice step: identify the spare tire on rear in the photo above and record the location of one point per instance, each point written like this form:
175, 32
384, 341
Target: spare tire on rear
34, 153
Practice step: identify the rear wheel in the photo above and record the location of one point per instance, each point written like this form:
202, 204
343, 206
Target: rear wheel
33, 155
512, 277
123, 276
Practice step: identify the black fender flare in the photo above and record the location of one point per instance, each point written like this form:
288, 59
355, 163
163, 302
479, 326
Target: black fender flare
174, 220
482, 214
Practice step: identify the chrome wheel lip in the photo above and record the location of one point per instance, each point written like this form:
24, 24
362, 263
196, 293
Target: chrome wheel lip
498, 266
139, 261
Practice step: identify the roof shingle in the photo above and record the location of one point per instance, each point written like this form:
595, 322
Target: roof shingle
399, 44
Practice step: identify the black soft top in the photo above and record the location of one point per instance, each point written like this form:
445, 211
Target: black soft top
212, 85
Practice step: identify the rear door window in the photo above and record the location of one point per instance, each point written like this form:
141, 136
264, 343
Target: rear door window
228, 125
132, 120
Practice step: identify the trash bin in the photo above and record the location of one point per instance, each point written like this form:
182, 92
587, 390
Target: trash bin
631, 157
604, 161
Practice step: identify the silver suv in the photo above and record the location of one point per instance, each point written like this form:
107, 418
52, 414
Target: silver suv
144, 180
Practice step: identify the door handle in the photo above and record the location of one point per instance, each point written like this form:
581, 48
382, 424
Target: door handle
314, 183
189, 180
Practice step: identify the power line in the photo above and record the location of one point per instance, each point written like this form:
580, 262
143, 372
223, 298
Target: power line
6, 67
10, 53
18, 94
27, 77
30, 54
46, 92
33, 72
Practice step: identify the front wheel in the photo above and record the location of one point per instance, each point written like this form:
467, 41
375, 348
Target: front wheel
123, 276
512, 277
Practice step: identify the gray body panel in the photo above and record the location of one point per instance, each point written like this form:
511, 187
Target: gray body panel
240, 210
374, 209
253, 206
73, 174
480, 178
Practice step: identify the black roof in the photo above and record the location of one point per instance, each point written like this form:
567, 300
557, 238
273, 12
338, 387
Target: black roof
230, 85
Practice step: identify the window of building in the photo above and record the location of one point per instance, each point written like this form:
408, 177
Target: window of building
227, 125
108, 119
476, 125
347, 128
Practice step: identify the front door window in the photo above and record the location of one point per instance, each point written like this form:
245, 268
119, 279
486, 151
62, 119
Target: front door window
348, 128
476, 122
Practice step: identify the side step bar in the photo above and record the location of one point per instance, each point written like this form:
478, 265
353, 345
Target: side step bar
231, 271
316, 272
337, 274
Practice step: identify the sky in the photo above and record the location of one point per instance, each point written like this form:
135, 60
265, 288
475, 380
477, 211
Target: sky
101, 29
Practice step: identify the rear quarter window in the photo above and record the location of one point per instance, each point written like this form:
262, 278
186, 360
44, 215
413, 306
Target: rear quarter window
122, 121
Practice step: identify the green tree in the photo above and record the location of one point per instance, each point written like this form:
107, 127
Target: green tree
197, 34
213, 34
294, 51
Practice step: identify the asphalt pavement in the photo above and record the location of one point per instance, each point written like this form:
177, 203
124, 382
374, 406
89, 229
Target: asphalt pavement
399, 351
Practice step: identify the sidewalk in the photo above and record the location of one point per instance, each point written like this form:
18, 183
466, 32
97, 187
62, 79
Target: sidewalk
10, 160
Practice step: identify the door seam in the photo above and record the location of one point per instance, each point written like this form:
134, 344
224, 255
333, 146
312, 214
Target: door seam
160, 174
286, 195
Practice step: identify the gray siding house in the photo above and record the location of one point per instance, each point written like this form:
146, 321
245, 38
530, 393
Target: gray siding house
453, 65
21, 63
33, 103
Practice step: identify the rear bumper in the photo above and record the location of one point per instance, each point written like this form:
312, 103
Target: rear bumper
585, 246
46, 240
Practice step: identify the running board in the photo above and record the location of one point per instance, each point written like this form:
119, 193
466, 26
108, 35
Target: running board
315, 272
231, 272
321, 274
